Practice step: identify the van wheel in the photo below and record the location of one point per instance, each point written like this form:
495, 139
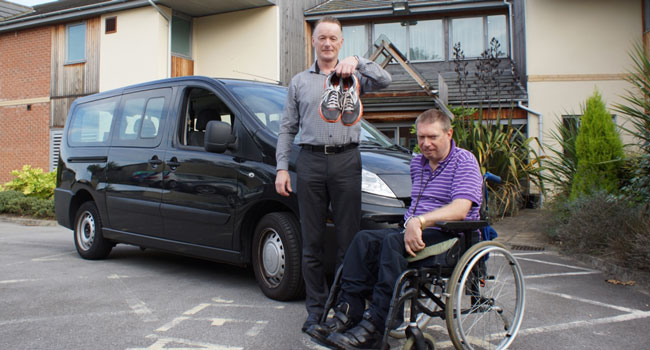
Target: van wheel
88, 238
276, 256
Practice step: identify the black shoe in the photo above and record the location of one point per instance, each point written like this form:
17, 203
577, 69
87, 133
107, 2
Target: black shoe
364, 336
312, 319
339, 323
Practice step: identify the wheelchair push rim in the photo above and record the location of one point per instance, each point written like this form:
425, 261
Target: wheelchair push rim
486, 298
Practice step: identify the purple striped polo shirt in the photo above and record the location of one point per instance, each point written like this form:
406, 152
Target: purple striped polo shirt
457, 176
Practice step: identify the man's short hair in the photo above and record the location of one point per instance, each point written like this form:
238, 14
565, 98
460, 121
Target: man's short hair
328, 19
432, 116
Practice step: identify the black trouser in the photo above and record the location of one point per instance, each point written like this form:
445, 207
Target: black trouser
325, 179
374, 261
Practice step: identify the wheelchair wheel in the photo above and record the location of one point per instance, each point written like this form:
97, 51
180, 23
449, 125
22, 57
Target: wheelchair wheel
422, 319
428, 341
485, 298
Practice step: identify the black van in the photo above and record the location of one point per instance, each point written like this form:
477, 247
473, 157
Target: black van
187, 165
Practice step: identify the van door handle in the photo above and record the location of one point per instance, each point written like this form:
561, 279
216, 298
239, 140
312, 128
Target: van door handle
155, 162
173, 163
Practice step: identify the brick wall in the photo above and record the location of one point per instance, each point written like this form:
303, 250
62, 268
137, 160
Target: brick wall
25, 68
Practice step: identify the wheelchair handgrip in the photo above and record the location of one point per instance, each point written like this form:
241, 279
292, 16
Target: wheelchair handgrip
491, 177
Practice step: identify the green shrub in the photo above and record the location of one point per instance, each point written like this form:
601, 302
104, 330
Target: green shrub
603, 225
599, 151
561, 162
14, 202
33, 182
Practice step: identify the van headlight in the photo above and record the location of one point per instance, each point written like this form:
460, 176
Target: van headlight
371, 183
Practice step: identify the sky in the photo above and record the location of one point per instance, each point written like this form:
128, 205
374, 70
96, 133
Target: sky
30, 2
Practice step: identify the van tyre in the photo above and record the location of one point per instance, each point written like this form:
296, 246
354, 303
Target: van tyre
88, 238
276, 256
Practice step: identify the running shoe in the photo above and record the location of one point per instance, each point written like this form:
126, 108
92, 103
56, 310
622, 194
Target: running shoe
352, 109
330, 106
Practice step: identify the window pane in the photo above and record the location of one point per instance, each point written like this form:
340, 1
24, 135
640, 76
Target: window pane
395, 32
91, 123
181, 36
76, 43
469, 32
131, 119
152, 117
427, 41
355, 41
497, 29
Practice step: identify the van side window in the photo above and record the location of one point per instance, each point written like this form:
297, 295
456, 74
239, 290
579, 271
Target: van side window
142, 118
200, 107
91, 123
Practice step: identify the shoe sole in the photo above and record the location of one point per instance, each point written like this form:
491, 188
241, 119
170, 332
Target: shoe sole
319, 339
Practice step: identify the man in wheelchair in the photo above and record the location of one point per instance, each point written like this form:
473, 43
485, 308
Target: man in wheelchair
447, 186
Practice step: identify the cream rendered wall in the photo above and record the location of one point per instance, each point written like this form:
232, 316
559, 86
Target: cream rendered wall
574, 47
241, 44
137, 52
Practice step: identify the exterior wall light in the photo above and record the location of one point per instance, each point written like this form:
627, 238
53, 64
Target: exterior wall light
400, 7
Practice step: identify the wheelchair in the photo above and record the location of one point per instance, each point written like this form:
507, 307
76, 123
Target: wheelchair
471, 282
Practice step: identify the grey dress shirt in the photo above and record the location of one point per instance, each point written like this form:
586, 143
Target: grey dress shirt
301, 110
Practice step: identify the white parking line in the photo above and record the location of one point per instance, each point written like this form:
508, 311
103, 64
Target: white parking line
162, 342
17, 281
583, 300
561, 274
138, 306
53, 319
557, 264
196, 309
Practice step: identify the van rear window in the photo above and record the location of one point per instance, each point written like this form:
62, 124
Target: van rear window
91, 123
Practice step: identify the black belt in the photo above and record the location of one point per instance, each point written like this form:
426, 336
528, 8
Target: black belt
329, 149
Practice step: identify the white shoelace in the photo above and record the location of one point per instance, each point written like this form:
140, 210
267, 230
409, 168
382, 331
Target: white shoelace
333, 98
348, 101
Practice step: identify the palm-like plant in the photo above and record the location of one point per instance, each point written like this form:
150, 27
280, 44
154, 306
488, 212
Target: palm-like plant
638, 111
501, 149
561, 164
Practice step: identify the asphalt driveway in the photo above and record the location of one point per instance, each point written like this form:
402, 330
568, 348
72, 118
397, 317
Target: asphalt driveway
52, 299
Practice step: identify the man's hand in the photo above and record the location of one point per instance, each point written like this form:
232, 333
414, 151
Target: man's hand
413, 237
346, 67
283, 183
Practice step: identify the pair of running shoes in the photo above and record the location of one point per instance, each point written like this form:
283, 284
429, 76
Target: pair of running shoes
341, 100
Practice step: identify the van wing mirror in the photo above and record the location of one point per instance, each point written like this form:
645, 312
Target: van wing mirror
218, 137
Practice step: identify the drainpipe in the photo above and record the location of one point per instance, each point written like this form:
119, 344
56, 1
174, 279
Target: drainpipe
510, 24
540, 133
169, 38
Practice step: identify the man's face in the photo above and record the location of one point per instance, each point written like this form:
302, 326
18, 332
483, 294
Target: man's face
327, 40
434, 142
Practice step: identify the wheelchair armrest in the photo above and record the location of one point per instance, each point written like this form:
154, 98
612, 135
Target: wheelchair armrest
462, 225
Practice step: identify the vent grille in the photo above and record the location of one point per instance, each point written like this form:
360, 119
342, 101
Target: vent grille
111, 25
56, 135
526, 247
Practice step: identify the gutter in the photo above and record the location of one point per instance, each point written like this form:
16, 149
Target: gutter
68, 14
169, 37
540, 119
510, 26
414, 9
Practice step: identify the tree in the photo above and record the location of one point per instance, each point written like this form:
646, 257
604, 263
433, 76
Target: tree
599, 150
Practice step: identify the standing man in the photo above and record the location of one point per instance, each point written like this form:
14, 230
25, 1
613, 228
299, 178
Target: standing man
329, 163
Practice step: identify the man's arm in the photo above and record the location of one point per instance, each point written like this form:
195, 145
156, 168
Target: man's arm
373, 77
456, 210
288, 130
